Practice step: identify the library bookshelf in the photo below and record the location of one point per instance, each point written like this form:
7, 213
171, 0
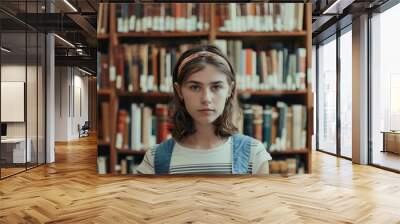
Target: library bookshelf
111, 97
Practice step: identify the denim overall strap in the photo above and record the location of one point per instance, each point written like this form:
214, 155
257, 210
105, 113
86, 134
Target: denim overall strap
241, 147
162, 157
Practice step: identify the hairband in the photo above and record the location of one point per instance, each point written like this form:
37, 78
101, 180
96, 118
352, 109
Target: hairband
198, 54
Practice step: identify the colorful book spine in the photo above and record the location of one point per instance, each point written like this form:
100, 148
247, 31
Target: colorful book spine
248, 128
267, 122
162, 123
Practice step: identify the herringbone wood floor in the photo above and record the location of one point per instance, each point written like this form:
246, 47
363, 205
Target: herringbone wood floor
70, 191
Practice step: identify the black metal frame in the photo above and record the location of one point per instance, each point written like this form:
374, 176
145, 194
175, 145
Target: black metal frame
338, 98
369, 78
316, 97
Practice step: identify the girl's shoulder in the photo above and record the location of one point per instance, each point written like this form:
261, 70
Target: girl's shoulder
256, 145
164, 146
253, 141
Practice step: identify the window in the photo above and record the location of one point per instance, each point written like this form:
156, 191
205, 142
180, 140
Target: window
346, 93
394, 102
327, 96
385, 84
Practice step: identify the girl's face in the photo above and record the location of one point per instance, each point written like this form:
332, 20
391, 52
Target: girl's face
205, 94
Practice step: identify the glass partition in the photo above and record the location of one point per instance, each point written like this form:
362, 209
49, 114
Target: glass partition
385, 89
327, 96
23, 87
14, 152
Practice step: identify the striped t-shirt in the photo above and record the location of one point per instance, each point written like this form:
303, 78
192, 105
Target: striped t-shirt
217, 160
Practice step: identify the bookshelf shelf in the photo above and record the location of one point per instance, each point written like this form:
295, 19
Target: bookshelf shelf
131, 152
258, 44
103, 36
103, 143
290, 152
273, 92
104, 92
261, 34
144, 94
164, 34
150, 97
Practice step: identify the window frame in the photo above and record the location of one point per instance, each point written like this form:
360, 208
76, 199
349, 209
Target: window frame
335, 36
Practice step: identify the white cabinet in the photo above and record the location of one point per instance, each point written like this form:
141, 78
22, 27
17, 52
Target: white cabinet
18, 149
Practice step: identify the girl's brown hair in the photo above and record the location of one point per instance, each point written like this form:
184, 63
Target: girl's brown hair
182, 123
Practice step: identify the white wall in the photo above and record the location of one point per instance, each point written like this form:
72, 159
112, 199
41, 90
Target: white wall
50, 99
61, 103
360, 90
80, 83
70, 83
13, 73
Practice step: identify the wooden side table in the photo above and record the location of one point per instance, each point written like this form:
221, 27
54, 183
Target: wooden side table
391, 141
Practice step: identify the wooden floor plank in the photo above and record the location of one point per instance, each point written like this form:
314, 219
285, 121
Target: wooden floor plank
70, 191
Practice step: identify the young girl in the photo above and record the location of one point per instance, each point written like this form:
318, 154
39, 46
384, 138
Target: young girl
204, 139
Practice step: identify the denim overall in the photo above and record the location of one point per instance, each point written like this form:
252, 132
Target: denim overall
241, 145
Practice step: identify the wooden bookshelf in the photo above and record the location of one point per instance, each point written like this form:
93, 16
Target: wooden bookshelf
273, 92
132, 152
105, 92
290, 152
102, 36
261, 34
205, 34
300, 38
143, 94
103, 143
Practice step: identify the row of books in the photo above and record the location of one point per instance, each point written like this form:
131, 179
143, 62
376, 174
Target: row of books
140, 127
279, 127
103, 77
140, 67
187, 17
102, 165
128, 165
260, 17
278, 68
104, 125
288, 166
149, 68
